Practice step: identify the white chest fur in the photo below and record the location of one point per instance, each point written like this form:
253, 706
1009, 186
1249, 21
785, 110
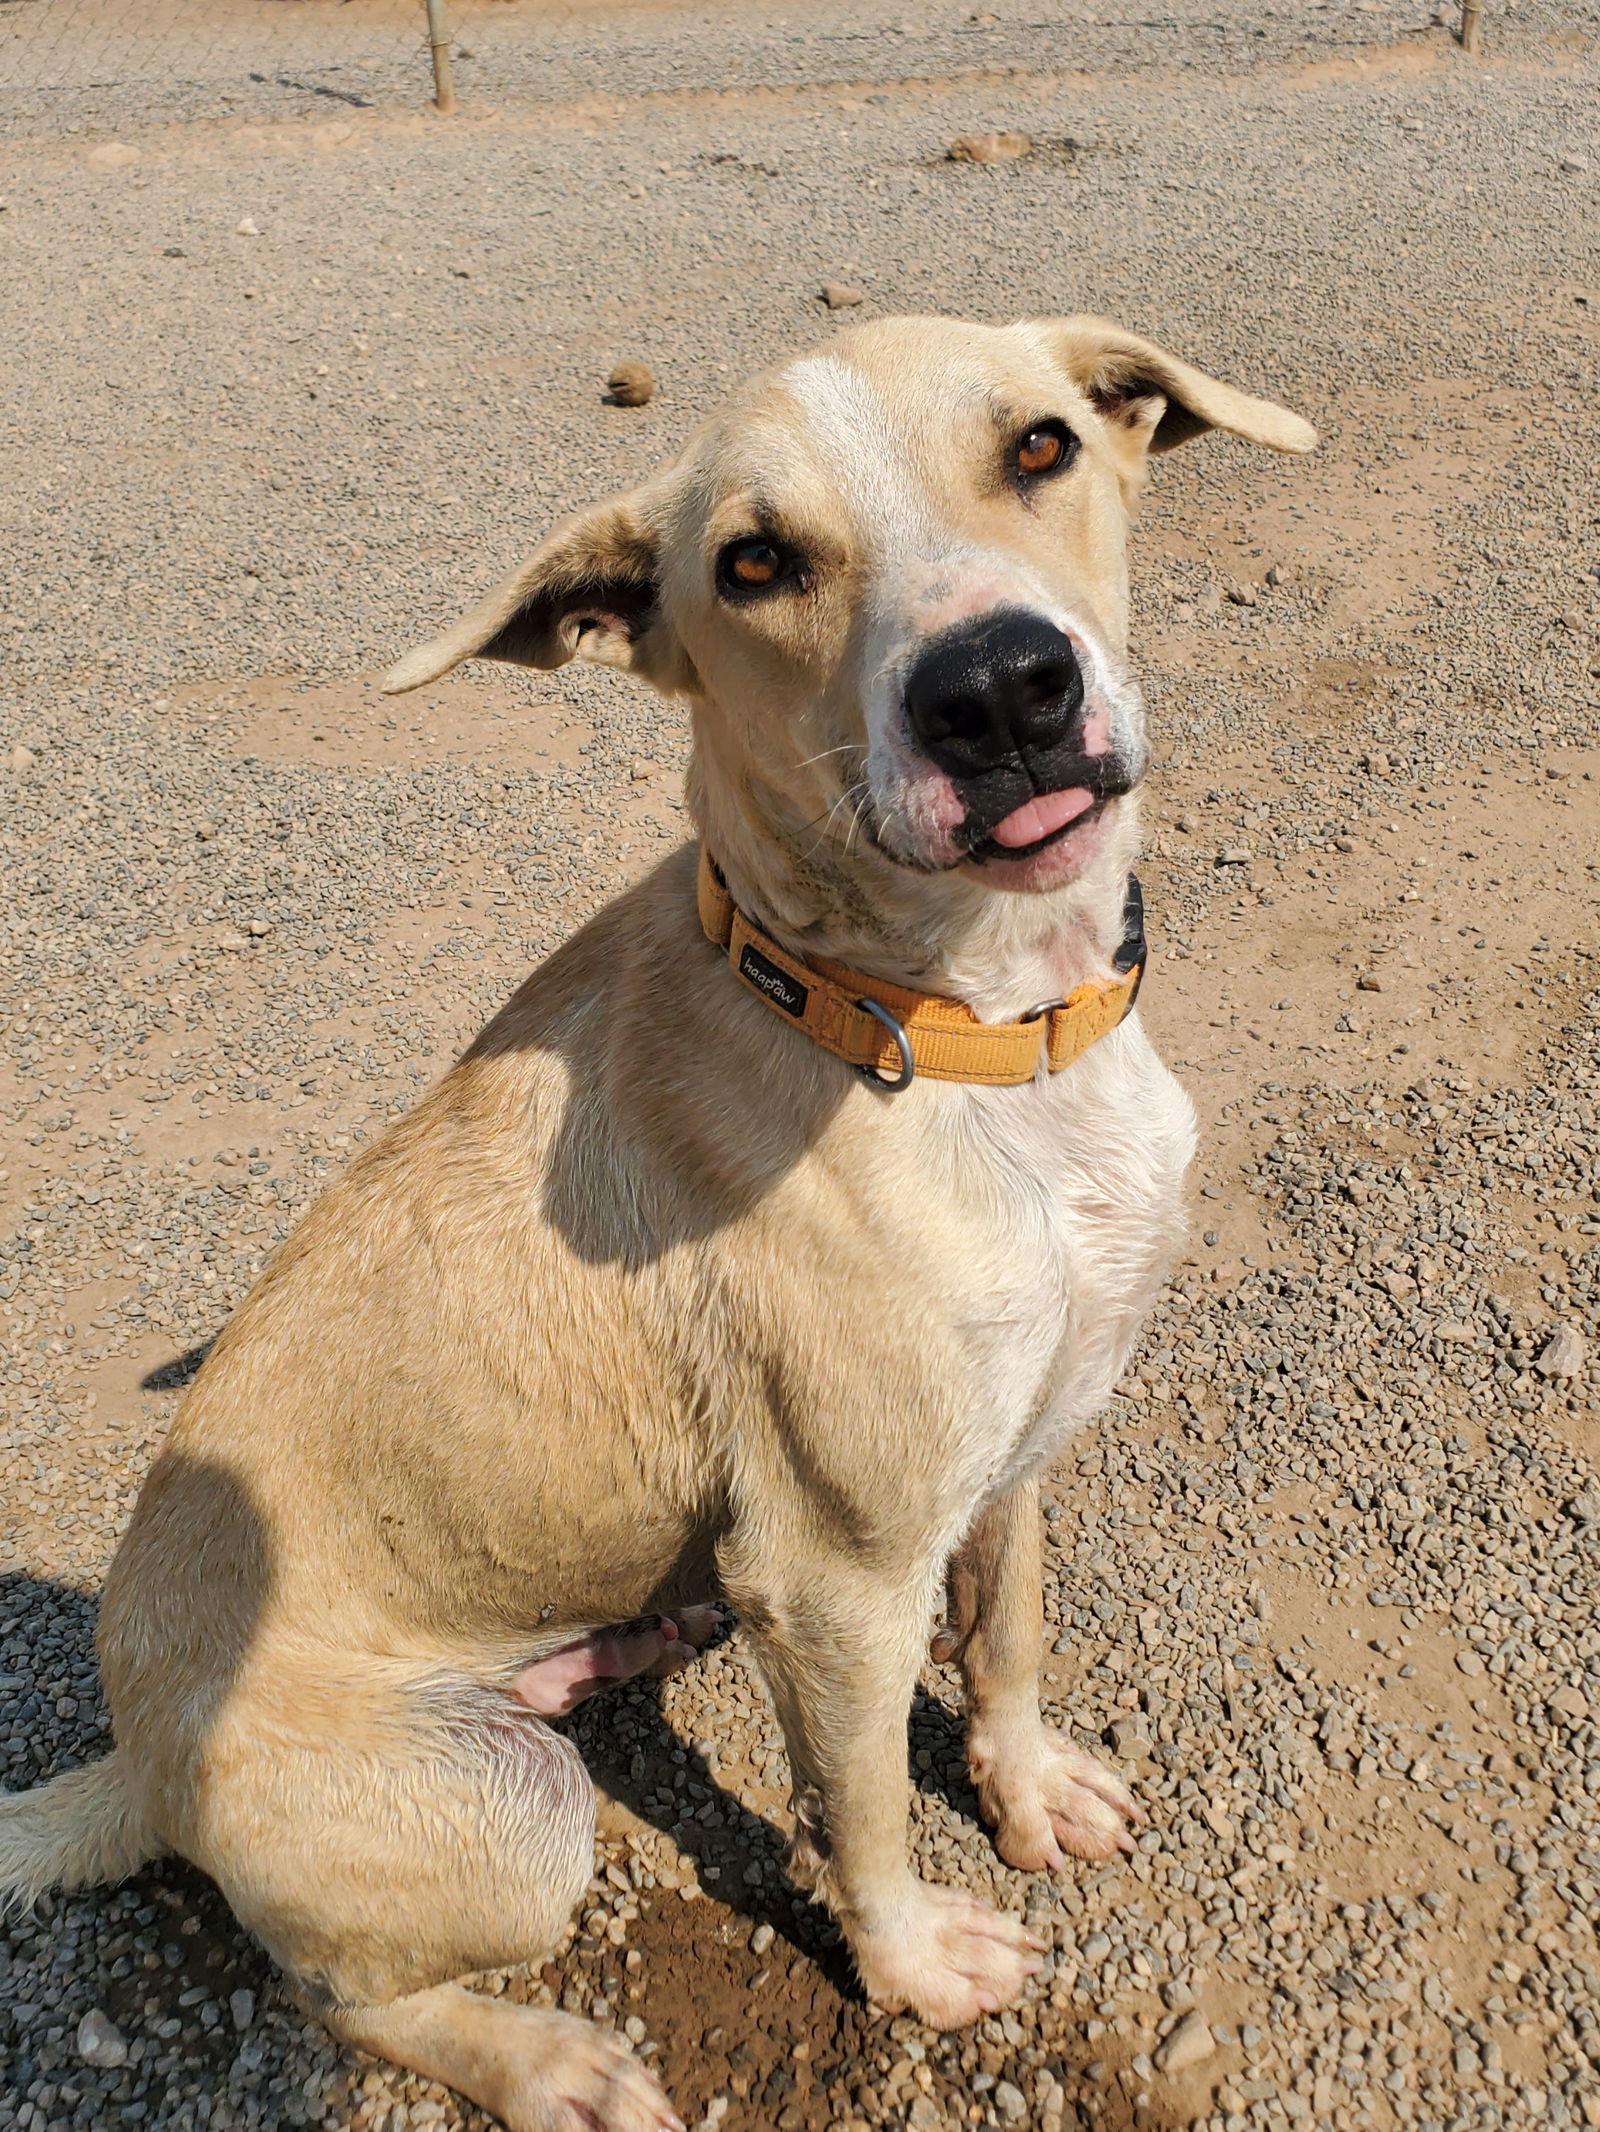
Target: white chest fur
1057, 1208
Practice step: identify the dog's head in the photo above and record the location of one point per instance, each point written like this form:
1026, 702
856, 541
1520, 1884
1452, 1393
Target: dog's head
891, 575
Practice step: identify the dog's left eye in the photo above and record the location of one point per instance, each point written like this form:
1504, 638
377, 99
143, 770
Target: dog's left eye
755, 564
1046, 448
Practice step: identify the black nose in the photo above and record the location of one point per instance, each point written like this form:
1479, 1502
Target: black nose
987, 691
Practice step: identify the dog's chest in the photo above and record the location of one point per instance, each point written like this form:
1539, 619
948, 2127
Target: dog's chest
1054, 1207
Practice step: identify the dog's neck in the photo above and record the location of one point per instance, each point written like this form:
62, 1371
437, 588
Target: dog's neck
999, 952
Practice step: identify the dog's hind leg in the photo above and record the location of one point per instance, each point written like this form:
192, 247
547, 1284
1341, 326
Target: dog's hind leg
383, 1836
1042, 1796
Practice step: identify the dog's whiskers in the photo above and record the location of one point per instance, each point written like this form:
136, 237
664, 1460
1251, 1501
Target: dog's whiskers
844, 748
846, 797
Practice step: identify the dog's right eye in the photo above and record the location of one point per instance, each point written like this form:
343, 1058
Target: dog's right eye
755, 565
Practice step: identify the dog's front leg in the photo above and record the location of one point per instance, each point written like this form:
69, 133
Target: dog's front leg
1042, 1796
840, 1645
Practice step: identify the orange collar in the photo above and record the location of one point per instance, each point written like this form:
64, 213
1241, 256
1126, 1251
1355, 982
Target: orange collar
891, 1035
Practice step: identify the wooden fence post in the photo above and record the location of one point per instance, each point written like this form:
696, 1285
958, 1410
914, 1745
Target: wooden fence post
444, 88
1471, 16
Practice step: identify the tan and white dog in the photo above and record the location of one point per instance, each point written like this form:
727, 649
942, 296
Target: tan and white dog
774, 1264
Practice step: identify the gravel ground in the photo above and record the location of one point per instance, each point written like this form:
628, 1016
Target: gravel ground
1325, 1577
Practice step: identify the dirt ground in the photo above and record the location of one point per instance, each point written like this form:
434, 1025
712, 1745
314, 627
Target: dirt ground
293, 385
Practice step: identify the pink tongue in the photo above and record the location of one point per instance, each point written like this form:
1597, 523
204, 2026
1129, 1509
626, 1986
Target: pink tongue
1042, 817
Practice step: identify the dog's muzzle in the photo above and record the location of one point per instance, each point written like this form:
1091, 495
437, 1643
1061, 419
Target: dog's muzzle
998, 705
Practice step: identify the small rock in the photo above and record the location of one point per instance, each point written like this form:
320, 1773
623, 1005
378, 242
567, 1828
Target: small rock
1010, 2101
1243, 595
1187, 2043
1470, 1663
634, 2029
1344, 843
840, 295
111, 155
258, 928
1570, 1702
640, 772
1369, 984
242, 2006
100, 2042
990, 147
247, 228
1575, 166
761, 1939
1234, 855
22, 758
1563, 1353
1401, 1286
631, 384
1130, 1739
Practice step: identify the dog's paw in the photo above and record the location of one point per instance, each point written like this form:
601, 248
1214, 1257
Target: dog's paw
1048, 1801
581, 2078
947, 1957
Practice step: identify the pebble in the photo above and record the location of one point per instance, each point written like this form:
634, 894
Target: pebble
841, 295
1186, 2043
631, 384
990, 147
100, 2042
1564, 1353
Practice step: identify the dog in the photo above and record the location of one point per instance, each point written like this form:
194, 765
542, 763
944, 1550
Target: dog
765, 1246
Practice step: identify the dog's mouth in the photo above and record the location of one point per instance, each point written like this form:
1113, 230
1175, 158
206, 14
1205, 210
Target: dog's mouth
1010, 816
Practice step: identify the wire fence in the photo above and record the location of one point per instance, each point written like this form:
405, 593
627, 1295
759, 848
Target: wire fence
83, 65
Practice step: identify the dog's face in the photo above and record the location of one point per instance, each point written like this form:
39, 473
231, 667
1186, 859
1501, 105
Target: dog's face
892, 577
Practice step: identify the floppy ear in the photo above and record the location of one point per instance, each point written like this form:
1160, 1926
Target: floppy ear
588, 592
1156, 401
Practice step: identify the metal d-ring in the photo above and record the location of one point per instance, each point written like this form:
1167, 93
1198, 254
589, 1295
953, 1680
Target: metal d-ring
908, 1064
1045, 1006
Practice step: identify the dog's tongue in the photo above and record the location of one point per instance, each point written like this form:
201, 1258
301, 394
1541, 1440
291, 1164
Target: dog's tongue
1042, 817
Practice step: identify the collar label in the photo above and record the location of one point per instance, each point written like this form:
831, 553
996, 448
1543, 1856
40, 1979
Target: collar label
777, 984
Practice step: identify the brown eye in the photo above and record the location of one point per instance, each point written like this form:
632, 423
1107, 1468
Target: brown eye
755, 565
1044, 449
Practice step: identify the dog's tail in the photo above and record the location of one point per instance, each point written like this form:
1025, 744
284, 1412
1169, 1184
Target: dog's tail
83, 1827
